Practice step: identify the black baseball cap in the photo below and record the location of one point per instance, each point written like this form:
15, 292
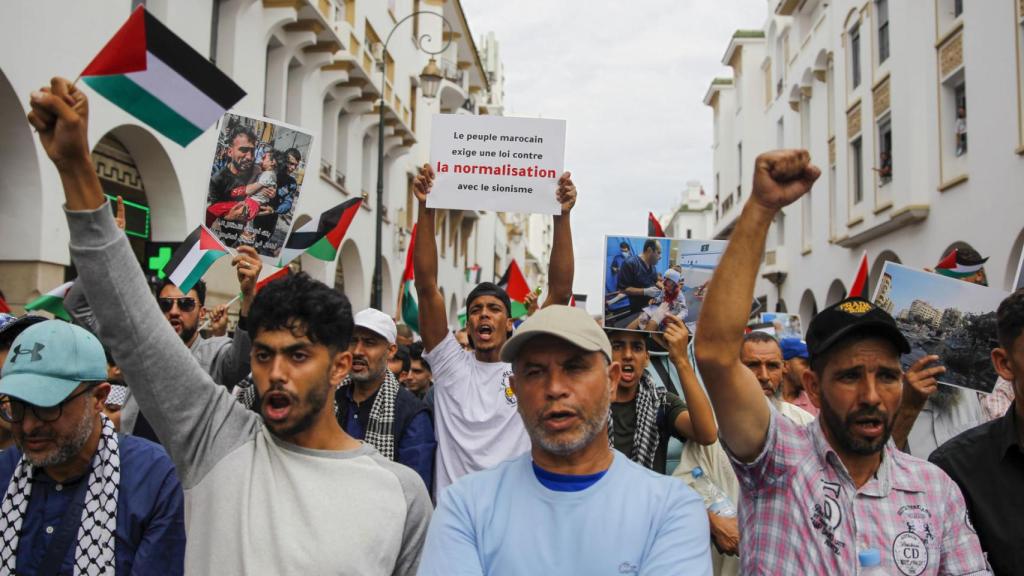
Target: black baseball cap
852, 314
489, 289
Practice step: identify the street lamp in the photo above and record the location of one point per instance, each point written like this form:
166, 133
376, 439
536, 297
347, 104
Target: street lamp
430, 81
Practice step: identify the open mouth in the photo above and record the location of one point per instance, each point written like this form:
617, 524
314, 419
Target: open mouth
485, 332
359, 364
870, 427
276, 406
629, 373
177, 325
557, 420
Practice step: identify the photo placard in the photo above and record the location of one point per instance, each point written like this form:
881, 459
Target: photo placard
951, 318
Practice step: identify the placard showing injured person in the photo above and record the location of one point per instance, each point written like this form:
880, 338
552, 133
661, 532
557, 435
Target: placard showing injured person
647, 279
496, 163
950, 318
255, 182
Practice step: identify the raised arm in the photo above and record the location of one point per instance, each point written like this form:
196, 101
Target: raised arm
433, 320
560, 268
780, 177
697, 423
198, 421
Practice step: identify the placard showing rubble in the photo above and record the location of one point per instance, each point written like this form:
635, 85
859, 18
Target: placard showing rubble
950, 318
496, 163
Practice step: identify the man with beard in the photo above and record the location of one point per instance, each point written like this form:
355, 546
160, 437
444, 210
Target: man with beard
78, 497
227, 186
643, 416
225, 359
249, 477
987, 462
814, 496
572, 505
476, 422
373, 406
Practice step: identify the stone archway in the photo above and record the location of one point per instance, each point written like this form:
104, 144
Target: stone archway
387, 289
453, 312
836, 292
1011, 281
20, 185
808, 307
349, 278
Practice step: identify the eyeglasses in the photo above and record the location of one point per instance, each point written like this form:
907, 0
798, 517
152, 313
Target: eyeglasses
13, 410
185, 304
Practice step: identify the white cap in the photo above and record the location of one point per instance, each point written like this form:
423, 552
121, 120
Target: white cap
673, 275
378, 322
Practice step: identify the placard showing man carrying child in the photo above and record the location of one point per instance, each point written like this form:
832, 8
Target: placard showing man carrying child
255, 182
648, 279
496, 163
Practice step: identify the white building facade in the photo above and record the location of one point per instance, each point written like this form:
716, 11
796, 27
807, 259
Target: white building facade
311, 63
914, 111
692, 216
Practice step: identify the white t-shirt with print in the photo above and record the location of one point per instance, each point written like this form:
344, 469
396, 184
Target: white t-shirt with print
475, 415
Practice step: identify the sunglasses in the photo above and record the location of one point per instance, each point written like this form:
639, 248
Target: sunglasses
185, 304
13, 410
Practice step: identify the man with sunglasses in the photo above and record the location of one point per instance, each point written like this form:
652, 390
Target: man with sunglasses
225, 359
78, 497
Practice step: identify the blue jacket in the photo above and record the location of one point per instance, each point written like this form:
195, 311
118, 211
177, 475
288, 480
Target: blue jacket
150, 512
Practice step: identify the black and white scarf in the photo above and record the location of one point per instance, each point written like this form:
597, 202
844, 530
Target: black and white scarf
649, 400
94, 553
380, 429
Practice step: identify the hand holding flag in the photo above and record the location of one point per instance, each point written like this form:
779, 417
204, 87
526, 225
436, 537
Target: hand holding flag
248, 266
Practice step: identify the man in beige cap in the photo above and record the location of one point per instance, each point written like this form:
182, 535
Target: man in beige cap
538, 513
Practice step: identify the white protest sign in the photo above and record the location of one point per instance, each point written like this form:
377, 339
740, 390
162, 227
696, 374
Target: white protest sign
496, 163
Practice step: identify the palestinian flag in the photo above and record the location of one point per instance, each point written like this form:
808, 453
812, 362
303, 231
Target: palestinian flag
281, 273
654, 227
193, 258
410, 309
859, 286
514, 284
321, 237
955, 265
150, 73
578, 301
53, 302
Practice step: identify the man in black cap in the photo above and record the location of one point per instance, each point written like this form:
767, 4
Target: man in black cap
475, 419
814, 496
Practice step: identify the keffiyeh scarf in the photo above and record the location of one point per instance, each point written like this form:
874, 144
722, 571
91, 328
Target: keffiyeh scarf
94, 553
649, 400
380, 429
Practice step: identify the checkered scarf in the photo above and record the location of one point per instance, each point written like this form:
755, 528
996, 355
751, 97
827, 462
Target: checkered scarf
94, 553
649, 400
380, 429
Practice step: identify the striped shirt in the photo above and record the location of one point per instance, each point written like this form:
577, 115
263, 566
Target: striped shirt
800, 511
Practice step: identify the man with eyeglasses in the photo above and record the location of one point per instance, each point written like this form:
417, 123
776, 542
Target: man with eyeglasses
225, 359
78, 497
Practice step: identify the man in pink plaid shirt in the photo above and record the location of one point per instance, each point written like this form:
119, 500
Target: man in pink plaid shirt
814, 497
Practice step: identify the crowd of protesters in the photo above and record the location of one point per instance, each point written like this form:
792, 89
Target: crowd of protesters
321, 440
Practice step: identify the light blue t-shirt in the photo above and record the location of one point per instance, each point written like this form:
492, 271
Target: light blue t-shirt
503, 521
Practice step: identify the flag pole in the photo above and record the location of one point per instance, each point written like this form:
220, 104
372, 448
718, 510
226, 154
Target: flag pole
206, 323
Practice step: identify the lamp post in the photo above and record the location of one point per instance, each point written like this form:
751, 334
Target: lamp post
430, 81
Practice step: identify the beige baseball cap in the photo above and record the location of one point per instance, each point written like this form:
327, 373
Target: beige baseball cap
569, 323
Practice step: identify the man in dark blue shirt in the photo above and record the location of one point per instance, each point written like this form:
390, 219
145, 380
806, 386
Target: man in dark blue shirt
79, 498
372, 405
638, 276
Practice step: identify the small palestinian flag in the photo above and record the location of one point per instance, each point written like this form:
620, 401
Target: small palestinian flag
410, 308
859, 286
281, 273
150, 73
322, 236
53, 302
193, 258
654, 227
956, 265
514, 284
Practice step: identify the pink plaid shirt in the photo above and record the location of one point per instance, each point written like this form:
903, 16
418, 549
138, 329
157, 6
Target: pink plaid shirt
800, 512
996, 404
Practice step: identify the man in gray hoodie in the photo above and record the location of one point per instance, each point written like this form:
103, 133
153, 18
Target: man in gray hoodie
278, 492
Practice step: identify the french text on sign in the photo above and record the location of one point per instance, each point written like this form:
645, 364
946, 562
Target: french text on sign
496, 163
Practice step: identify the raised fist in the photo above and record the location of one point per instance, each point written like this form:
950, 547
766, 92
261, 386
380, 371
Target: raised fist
781, 177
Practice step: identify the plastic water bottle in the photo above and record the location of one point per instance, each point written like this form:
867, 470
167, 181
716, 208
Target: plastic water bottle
870, 563
715, 499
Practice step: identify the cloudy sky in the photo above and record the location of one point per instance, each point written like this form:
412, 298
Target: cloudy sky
629, 79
